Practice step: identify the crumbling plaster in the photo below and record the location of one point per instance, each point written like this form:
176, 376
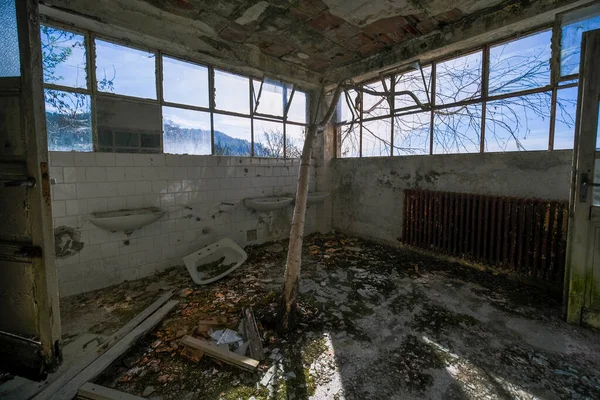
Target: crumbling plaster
308, 41
367, 193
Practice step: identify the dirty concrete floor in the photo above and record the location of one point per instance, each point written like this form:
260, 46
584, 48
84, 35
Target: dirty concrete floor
376, 323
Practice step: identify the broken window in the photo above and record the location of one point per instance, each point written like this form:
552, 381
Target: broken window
458, 79
414, 82
297, 108
350, 140
184, 82
518, 123
564, 125
457, 130
270, 97
520, 64
268, 138
232, 136
376, 138
573, 26
376, 105
232, 92
186, 131
67, 100
124, 70
411, 133
294, 140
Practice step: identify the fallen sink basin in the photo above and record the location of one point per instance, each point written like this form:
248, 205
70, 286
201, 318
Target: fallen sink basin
316, 198
214, 261
267, 203
126, 220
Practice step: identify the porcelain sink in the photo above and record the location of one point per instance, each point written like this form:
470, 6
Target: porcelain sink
316, 197
126, 220
268, 203
214, 261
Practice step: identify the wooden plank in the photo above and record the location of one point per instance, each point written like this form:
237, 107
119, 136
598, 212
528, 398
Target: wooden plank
94, 369
54, 383
90, 391
252, 334
227, 356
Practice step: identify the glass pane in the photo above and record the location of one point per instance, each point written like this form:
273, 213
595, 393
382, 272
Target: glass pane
518, 123
297, 110
349, 106
458, 79
564, 128
271, 97
10, 62
268, 139
374, 106
232, 135
411, 134
350, 140
63, 57
570, 44
294, 140
520, 64
232, 92
457, 130
376, 138
68, 121
413, 81
186, 131
185, 83
126, 71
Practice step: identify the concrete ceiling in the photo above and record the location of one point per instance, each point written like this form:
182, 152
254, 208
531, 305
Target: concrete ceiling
322, 34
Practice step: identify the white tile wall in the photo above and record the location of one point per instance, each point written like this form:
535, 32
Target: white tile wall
190, 188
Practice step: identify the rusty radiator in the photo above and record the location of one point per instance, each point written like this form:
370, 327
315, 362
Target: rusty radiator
526, 236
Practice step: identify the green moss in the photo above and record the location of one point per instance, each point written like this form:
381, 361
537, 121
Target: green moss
415, 359
436, 319
244, 392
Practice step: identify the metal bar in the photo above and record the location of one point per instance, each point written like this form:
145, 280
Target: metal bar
432, 112
484, 93
158, 77
211, 103
552, 118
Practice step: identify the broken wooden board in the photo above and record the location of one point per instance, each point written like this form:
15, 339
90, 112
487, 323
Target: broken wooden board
56, 382
220, 354
90, 391
94, 369
252, 334
192, 354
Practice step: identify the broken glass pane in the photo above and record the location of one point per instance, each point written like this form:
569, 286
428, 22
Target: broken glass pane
297, 110
570, 43
520, 64
458, 79
376, 138
411, 133
268, 138
376, 105
232, 135
68, 121
294, 140
518, 123
126, 71
186, 131
413, 82
271, 97
457, 130
185, 83
349, 106
63, 57
10, 62
350, 140
232, 92
564, 127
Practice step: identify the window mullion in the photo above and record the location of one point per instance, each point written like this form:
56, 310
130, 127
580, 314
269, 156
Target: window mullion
432, 114
485, 76
93, 86
211, 106
158, 76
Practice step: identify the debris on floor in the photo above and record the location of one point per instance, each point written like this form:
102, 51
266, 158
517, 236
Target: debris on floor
374, 322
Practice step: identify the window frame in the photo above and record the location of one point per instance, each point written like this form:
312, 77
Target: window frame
556, 82
92, 89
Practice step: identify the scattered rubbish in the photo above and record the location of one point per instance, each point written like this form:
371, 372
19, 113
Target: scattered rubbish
214, 261
268, 377
242, 349
274, 248
220, 354
148, 391
226, 336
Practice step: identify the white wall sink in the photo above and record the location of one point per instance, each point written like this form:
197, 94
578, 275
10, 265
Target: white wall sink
268, 203
126, 220
214, 261
316, 198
